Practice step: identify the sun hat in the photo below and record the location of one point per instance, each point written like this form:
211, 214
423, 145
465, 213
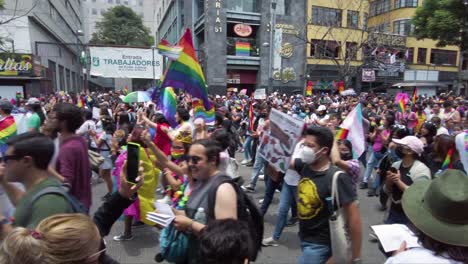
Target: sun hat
322, 108
412, 142
439, 208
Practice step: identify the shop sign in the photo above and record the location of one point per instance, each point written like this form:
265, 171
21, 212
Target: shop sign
243, 30
287, 50
285, 75
14, 64
218, 25
233, 81
287, 29
368, 75
385, 39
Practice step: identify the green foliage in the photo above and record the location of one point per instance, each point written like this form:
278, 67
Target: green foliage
121, 26
2, 4
442, 20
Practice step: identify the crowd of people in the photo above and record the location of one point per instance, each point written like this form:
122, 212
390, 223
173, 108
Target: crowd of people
416, 163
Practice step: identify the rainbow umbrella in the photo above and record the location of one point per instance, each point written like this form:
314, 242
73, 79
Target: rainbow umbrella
137, 97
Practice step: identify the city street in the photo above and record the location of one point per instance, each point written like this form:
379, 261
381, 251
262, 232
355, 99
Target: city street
145, 245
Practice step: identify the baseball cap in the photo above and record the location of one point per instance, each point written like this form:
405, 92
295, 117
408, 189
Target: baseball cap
33, 100
322, 108
412, 142
6, 105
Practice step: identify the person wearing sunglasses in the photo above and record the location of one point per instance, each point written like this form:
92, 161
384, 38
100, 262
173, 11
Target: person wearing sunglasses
70, 238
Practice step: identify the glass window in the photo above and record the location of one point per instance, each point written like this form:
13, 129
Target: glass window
365, 19
353, 19
379, 7
409, 55
201, 7
94, 11
117, 2
444, 57
283, 7
140, 3
323, 16
110, 1
103, 11
125, 2
243, 6
422, 52
403, 27
406, 3
324, 48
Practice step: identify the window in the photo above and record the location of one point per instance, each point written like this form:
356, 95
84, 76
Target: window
443, 57
243, 5
422, 52
94, 1
323, 16
351, 50
94, 11
140, 2
409, 55
117, 2
353, 19
379, 7
403, 27
61, 78
125, 2
283, 7
200, 7
102, 11
53, 70
110, 1
365, 19
324, 48
406, 3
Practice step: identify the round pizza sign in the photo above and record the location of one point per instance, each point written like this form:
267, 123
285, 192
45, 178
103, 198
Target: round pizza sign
243, 30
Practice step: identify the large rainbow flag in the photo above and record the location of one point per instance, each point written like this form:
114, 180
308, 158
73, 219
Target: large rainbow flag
168, 105
185, 72
7, 130
172, 52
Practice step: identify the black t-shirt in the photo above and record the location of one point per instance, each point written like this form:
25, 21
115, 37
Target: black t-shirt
396, 192
313, 211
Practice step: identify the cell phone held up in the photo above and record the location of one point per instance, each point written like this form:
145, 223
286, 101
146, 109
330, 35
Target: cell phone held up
133, 161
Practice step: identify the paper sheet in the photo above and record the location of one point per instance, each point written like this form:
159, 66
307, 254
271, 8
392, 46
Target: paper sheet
392, 236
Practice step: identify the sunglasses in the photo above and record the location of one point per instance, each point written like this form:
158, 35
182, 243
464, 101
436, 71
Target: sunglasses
102, 249
10, 157
193, 159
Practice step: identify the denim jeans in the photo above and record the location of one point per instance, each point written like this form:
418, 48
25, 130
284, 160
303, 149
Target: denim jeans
248, 148
314, 253
270, 189
373, 162
287, 200
258, 166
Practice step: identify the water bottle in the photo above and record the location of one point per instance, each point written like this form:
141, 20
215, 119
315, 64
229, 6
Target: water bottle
200, 216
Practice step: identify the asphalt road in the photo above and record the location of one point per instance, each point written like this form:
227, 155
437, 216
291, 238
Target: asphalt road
145, 245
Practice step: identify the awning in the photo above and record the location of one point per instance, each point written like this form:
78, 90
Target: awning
420, 84
19, 78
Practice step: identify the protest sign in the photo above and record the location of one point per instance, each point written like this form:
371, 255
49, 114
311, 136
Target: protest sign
277, 145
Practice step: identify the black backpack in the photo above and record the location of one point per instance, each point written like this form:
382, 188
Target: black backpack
247, 211
75, 204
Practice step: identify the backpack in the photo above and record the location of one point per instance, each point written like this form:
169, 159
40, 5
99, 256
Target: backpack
75, 204
247, 211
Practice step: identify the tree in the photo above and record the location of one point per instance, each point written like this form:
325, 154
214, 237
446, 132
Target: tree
122, 26
443, 20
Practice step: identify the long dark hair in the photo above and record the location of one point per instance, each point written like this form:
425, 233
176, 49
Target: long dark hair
36, 108
457, 253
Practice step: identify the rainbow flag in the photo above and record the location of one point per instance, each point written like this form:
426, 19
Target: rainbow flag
447, 164
125, 91
185, 72
341, 133
199, 111
7, 128
242, 48
79, 101
309, 88
172, 52
414, 98
401, 106
168, 105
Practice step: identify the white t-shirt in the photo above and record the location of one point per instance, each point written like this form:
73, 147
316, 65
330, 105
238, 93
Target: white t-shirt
461, 143
85, 127
417, 256
292, 177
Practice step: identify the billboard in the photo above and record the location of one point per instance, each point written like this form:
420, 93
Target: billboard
16, 64
110, 62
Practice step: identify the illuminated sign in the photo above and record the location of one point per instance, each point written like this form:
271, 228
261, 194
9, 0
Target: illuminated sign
243, 30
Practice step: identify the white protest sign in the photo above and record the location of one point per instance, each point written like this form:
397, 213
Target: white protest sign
260, 94
277, 145
112, 62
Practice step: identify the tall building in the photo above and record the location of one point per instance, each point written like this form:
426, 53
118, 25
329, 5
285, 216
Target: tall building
432, 69
241, 44
93, 11
336, 35
41, 49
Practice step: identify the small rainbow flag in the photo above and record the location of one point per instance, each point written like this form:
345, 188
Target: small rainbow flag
168, 105
125, 91
448, 164
80, 102
242, 48
199, 111
309, 88
172, 52
341, 133
7, 128
401, 105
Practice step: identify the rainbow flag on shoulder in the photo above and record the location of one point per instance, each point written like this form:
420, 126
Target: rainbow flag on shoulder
7, 128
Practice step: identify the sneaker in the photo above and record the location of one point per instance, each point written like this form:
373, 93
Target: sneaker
292, 221
371, 192
260, 201
261, 177
123, 237
244, 162
270, 242
363, 185
248, 188
250, 164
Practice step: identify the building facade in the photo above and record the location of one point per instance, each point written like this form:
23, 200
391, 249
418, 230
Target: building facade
243, 44
432, 69
336, 34
42, 47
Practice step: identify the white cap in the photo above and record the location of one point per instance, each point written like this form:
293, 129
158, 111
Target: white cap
33, 100
322, 108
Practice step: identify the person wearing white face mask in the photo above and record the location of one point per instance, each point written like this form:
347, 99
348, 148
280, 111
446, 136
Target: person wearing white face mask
316, 171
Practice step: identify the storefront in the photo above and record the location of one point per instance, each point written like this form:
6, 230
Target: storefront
19, 73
